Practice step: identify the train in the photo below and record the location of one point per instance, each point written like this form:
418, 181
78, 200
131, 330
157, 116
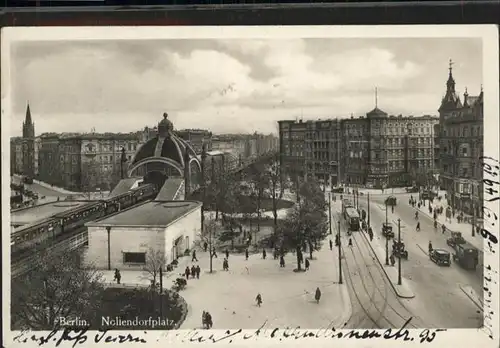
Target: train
29, 236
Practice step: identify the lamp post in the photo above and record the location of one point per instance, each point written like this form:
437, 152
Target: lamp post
399, 258
473, 211
368, 209
330, 210
340, 254
386, 237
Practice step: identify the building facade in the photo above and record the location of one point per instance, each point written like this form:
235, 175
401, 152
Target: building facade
461, 147
86, 162
376, 150
196, 138
16, 155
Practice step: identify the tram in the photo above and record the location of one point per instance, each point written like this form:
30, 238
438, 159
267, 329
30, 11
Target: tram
346, 203
352, 219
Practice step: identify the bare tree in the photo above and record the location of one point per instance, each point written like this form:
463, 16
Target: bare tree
91, 174
209, 236
155, 259
57, 287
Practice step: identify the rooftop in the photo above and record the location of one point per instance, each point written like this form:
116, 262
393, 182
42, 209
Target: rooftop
40, 212
169, 189
156, 213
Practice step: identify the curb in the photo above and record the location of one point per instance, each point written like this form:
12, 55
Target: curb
470, 298
381, 265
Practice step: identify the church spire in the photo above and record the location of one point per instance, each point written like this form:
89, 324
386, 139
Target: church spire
450, 84
28, 115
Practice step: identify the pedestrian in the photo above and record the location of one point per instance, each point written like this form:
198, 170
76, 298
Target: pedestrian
204, 319
193, 271
418, 226
350, 242
205, 246
331, 245
258, 299
246, 254
275, 253
282, 261
443, 229
193, 258
208, 318
118, 276
187, 272
392, 209
317, 295
227, 254
214, 253
225, 265
264, 254
198, 271
307, 264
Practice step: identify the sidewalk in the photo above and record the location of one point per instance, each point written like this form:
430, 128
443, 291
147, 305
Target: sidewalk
465, 228
288, 297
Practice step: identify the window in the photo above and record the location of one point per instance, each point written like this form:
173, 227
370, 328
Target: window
464, 151
134, 258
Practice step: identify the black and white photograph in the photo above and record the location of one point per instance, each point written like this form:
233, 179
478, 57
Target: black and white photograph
211, 179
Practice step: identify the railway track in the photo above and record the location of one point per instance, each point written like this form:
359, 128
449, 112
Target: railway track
378, 309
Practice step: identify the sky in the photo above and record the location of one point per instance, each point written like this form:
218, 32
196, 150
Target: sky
231, 85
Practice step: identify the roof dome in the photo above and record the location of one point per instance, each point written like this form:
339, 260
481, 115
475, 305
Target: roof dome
166, 144
376, 113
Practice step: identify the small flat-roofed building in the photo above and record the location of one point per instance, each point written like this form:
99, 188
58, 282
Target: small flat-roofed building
123, 240
25, 216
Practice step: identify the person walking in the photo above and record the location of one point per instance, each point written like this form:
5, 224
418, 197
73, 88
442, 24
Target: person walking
350, 242
331, 245
208, 319
118, 276
282, 261
264, 254
317, 295
198, 271
246, 254
307, 264
205, 246
418, 226
187, 272
258, 299
225, 265
193, 258
193, 271
214, 253
227, 254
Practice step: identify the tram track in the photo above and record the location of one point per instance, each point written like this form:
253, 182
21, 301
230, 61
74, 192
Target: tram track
383, 308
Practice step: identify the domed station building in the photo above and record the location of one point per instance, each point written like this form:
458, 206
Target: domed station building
167, 156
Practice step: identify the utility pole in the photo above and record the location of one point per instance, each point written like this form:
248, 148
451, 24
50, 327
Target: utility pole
386, 237
330, 210
340, 254
161, 291
399, 258
473, 211
368, 209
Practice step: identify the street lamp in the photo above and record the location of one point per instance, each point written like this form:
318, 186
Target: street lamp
399, 258
340, 253
330, 210
386, 237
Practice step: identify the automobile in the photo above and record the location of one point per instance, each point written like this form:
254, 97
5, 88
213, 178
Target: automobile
338, 190
413, 189
398, 250
440, 257
456, 238
387, 231
391, 201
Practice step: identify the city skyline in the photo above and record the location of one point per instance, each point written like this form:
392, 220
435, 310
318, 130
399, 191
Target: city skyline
231, 85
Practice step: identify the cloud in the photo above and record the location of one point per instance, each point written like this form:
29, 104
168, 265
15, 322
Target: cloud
222, 85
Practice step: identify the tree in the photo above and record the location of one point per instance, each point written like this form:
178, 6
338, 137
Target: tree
209, 236
90, 176
57, 287
155, 259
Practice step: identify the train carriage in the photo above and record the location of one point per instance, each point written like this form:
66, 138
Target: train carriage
346, 204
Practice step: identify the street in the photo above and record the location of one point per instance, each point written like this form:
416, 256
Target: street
39, 189
439, 300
